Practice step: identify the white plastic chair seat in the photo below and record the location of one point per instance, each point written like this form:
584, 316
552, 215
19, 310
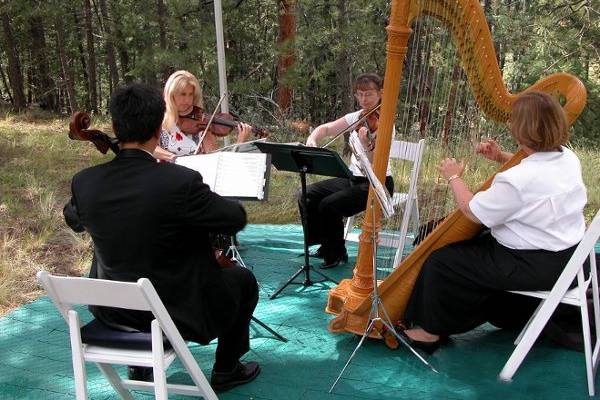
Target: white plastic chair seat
571, 297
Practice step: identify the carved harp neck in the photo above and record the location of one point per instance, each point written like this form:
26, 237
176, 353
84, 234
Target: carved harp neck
471, 35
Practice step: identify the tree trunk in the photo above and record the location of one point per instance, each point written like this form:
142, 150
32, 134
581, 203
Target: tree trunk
15, 75
91, 53
66, 68
285, 42
344, 73
162, 23
6, 84
121, 45
43, 87
113, 72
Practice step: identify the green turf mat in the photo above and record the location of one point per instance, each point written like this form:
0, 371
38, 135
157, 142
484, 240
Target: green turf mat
35, 355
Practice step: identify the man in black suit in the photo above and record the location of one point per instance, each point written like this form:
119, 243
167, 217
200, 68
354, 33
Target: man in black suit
153, 220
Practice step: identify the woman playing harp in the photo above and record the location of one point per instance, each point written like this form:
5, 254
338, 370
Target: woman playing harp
473, 67
534, 211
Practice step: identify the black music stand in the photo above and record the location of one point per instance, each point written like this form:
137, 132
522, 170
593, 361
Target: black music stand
305, 160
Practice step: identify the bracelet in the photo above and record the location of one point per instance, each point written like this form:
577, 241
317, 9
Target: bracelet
453, 177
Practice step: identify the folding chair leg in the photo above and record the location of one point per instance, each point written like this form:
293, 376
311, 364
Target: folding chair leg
587, 345
115, 381
160, 376
77, 357
529, 337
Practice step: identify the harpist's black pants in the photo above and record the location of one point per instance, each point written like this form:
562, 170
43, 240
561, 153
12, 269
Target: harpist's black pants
464, 284
328, 202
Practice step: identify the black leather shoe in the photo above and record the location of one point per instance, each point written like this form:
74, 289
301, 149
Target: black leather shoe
242, 373
332, 264
427, 347
140, 374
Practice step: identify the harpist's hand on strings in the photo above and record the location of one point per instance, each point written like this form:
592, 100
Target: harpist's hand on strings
490, 149
450, 167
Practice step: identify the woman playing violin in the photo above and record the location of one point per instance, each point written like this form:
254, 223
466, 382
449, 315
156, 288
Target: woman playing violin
330, 200
183, 97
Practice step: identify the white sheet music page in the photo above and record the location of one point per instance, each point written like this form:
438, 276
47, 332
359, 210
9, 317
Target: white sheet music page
206, 164
241, 175
230, 174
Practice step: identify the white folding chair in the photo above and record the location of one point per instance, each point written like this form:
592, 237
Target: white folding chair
407, 151
560, 293
124, 348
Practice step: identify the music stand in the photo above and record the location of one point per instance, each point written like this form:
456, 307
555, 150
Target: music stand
377, 321
305, 160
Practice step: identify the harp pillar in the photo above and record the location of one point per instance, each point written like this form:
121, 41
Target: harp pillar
344, 298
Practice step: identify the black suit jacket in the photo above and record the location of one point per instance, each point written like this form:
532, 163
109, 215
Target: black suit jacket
153, 220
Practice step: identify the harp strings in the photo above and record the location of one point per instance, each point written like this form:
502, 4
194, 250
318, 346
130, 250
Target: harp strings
437, 105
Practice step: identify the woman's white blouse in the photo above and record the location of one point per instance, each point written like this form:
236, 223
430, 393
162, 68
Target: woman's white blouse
537, 204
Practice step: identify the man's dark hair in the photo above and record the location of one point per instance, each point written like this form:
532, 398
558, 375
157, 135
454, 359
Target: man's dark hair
137, 111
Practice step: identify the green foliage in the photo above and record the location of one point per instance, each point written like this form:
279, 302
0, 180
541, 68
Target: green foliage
335, 41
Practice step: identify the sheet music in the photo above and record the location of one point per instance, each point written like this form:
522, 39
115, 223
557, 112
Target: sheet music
387, 207
231, 174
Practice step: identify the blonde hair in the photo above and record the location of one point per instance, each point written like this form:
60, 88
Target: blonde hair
176, 83
538, 121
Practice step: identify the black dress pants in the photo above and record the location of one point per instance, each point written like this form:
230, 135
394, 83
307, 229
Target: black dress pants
464, 284
327, 203
235, 342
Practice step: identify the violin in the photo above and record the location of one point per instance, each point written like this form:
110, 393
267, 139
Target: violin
221, 125
371, 122
79, 130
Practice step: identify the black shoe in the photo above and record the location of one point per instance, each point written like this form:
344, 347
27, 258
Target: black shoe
427, 347
140, 374
242, 373
334, 263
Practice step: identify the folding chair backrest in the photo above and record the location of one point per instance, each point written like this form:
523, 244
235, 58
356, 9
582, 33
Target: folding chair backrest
67, 291
408, 151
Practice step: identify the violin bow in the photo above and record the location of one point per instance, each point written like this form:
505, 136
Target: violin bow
212, 117
352, 125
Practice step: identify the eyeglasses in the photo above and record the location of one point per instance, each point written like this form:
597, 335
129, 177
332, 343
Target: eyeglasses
369, 94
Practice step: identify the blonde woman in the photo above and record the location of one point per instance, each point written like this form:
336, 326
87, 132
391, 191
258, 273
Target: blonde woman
534, 212
182, 93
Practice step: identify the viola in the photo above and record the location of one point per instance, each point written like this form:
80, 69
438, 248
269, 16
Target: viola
79, 130
371, 122
221, 125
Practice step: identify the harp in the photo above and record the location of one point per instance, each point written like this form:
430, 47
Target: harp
466, 23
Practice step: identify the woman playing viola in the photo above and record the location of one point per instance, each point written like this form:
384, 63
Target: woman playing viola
330, 200
183, 96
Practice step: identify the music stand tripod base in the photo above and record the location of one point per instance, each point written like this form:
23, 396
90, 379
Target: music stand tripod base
305, 160
376, 318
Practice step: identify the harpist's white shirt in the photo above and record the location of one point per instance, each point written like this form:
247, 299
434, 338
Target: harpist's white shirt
537, 204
